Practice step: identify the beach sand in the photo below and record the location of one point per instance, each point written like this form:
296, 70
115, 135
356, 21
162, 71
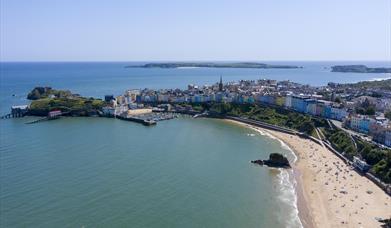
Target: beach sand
330, 194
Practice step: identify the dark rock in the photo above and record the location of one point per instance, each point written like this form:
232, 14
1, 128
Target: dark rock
38, 92
275, 160
386, 223
259, 162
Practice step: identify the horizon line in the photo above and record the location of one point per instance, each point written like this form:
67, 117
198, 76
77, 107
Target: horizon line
113, 61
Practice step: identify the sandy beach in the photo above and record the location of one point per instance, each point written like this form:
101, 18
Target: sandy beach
330, 194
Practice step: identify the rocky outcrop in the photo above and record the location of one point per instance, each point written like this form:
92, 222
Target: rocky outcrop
45, 92
38, 93
275, 160
386, 223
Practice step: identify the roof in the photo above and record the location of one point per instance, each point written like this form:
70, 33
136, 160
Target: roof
19, 107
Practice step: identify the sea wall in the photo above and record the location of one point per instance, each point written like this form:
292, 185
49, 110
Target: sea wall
263, 125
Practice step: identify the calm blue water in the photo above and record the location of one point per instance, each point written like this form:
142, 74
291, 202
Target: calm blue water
100, 172
97, 79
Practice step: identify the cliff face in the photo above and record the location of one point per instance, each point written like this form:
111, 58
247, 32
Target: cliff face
45, 92
38, 92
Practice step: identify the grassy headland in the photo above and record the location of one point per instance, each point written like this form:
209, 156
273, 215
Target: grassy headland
46, 99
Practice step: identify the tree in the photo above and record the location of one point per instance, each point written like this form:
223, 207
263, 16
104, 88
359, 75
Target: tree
307, 127
338, 100
370, 111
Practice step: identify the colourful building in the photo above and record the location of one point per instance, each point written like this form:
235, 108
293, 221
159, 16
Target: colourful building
361, 123
338, 113
311, 106
299, 104
54, 113
387, 138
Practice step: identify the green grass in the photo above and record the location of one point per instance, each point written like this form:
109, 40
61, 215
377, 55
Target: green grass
379, 158
77, 106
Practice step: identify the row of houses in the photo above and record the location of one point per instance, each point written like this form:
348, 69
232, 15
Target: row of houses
383, 136
378, 128
321, 108
303, 104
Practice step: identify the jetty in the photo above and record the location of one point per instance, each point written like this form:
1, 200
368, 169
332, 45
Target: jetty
38, 120
17, 111
137, 120
56, 114
146, 116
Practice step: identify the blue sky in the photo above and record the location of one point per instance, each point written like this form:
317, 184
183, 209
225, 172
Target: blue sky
145, 30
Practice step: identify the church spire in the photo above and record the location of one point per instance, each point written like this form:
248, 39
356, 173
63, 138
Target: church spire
221, 84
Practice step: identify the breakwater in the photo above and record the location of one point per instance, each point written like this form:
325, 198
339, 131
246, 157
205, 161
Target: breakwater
148, 119
137, 120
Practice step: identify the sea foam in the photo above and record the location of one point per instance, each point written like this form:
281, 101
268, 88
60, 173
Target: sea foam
287, 185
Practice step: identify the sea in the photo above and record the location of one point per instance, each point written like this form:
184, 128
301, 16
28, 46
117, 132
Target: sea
101, 172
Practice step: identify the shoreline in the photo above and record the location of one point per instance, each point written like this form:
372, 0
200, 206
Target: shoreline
318, 190
302, 204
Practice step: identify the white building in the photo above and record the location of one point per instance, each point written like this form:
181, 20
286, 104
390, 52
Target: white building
288, 101
108, 111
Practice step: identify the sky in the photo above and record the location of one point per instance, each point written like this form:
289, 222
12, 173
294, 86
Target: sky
198, 30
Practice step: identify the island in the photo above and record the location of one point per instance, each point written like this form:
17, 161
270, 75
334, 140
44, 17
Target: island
214, 65
46, 99
359, 69
275, 160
